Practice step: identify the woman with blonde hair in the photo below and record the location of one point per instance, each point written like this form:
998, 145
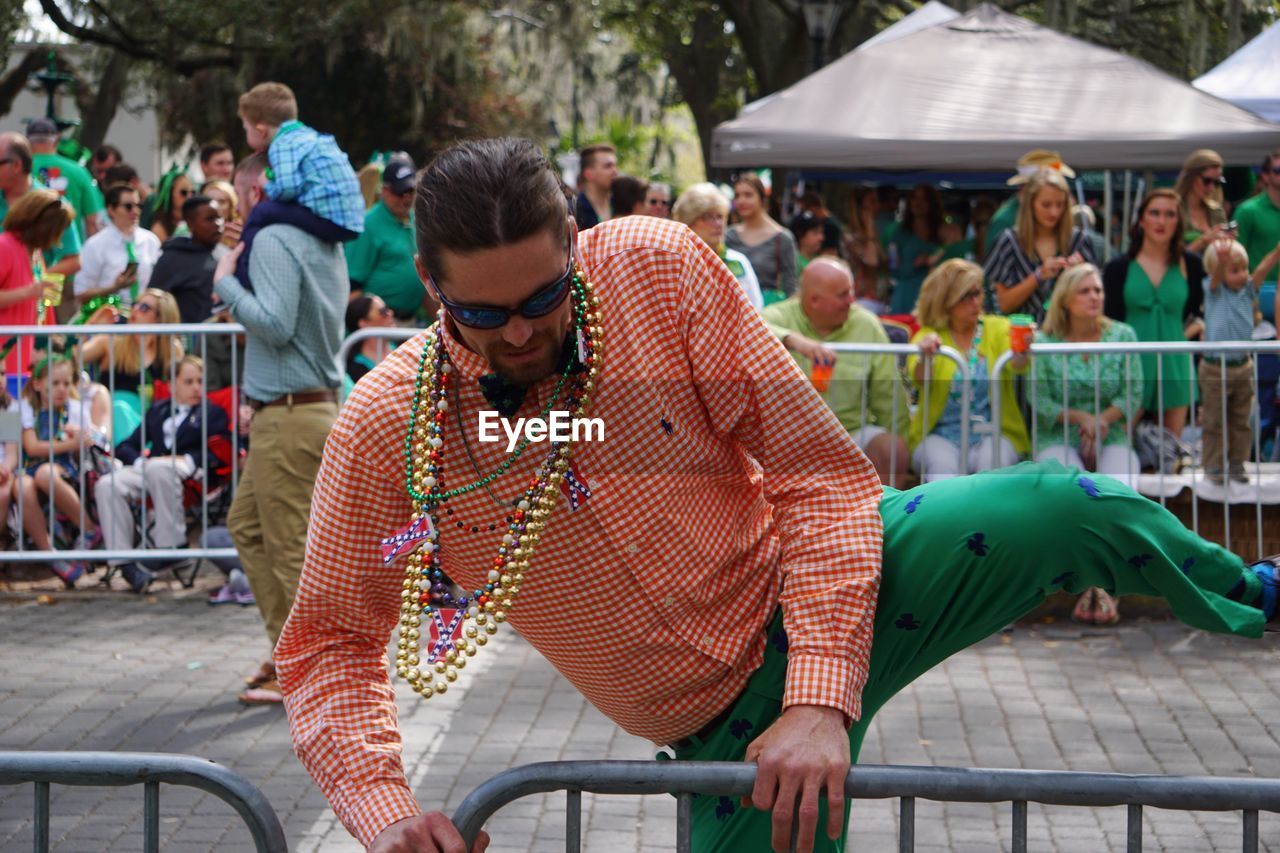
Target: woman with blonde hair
863, 248
705, 210
129, 365
950, 313
1027, 257
1199, 189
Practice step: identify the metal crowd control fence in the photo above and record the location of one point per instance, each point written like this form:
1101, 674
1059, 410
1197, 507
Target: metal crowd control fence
1195, 478
116, 769
356, 340
105, 412
907, 784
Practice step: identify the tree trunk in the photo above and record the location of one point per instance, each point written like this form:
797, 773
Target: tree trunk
1235, 34
698, 69
97, 109
13, 82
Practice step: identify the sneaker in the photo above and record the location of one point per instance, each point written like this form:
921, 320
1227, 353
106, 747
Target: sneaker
69, 572
139, 579
1268, 571
1238, 474
89, 542
245, 599
224, 595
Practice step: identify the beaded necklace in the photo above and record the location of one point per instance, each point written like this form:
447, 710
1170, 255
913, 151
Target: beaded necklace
457, 625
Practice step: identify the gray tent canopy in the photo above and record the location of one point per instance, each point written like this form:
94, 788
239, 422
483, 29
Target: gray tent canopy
1250, 77
976, 93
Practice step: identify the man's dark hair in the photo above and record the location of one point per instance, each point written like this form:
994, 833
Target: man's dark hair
191, 205
114, 191
625, 193
120, 173
1271, 159
105, 152
210, 148
587, 156
486, 193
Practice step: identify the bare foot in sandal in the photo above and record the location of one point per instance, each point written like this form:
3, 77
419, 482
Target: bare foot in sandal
265, 673
1106, 610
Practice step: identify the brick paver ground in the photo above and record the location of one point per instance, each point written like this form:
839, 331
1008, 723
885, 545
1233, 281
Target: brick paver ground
112, 672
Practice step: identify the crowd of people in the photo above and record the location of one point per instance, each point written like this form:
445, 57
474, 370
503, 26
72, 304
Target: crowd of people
96, 245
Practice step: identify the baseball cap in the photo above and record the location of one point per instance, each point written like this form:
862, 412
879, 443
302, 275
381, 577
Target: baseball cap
1034, 161
41, 128
400, 175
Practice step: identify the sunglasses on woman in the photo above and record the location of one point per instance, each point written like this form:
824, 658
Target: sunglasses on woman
547, 299
1210, 181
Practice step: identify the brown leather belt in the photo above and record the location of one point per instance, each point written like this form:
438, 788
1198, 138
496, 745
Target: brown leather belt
298, 398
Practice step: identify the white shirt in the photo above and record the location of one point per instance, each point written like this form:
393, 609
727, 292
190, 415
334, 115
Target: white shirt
77, 413
103, 257
748, 278
170, 427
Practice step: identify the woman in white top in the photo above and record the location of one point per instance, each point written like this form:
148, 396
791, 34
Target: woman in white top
705, 210
117, 261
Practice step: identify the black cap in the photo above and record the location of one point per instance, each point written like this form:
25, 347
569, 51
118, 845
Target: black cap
42, 127
400, 175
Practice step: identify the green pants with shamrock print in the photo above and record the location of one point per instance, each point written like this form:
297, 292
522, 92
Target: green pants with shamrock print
962, 559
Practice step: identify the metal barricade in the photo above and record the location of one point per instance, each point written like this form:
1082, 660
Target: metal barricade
151, 770
1165, 485
907, 784
372, 333
95, 455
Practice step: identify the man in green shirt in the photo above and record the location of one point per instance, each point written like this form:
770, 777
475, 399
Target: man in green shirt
865, 391
1006, 215
16, 181
65, 177
380, 261
1259, 221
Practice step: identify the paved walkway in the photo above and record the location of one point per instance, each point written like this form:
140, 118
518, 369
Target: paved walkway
107, 671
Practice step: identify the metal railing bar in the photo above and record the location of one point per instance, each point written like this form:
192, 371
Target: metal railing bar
1250, 831
119, 769
151, 817
41, 844
907, 825
1019, 826
951, 784
1134, 834
573, 821
684, 822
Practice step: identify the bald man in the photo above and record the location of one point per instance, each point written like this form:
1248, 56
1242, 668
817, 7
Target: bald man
866, 391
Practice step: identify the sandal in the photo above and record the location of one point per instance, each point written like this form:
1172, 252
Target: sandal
265, 673
1105, 609
1084, 609
268, 693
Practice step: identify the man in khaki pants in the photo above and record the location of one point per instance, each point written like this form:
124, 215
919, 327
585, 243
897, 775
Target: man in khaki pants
294, 319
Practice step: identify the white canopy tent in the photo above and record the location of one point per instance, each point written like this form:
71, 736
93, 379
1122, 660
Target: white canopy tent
975, 93
929, 15
1250, 77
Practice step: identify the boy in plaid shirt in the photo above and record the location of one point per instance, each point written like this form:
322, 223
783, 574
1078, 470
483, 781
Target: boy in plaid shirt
310, 185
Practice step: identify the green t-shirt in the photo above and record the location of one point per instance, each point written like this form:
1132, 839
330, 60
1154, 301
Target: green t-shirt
71, 241
854, 376
1259, 229
1006, 216
380, 261
75, 184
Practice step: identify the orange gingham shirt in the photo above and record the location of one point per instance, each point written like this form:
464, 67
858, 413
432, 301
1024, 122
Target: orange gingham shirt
724, 486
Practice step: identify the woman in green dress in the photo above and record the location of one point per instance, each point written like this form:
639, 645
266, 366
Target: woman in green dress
1156, 289
915, 248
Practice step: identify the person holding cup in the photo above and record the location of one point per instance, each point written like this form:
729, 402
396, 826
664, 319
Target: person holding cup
116, 263
1027, 258
34, 223
950, 313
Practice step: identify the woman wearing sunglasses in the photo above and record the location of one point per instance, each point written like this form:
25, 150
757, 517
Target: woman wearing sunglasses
164, 213
127, 365
116, 263
1199, 189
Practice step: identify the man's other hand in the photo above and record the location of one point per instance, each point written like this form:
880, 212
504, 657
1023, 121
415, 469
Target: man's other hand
805, 750
425, 833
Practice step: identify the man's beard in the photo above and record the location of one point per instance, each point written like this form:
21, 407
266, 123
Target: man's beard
527, 371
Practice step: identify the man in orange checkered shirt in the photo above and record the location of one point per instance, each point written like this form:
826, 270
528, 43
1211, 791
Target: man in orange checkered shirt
714, 586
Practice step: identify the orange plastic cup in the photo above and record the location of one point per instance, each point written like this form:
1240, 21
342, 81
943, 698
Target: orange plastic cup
1022, 331
820, 376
